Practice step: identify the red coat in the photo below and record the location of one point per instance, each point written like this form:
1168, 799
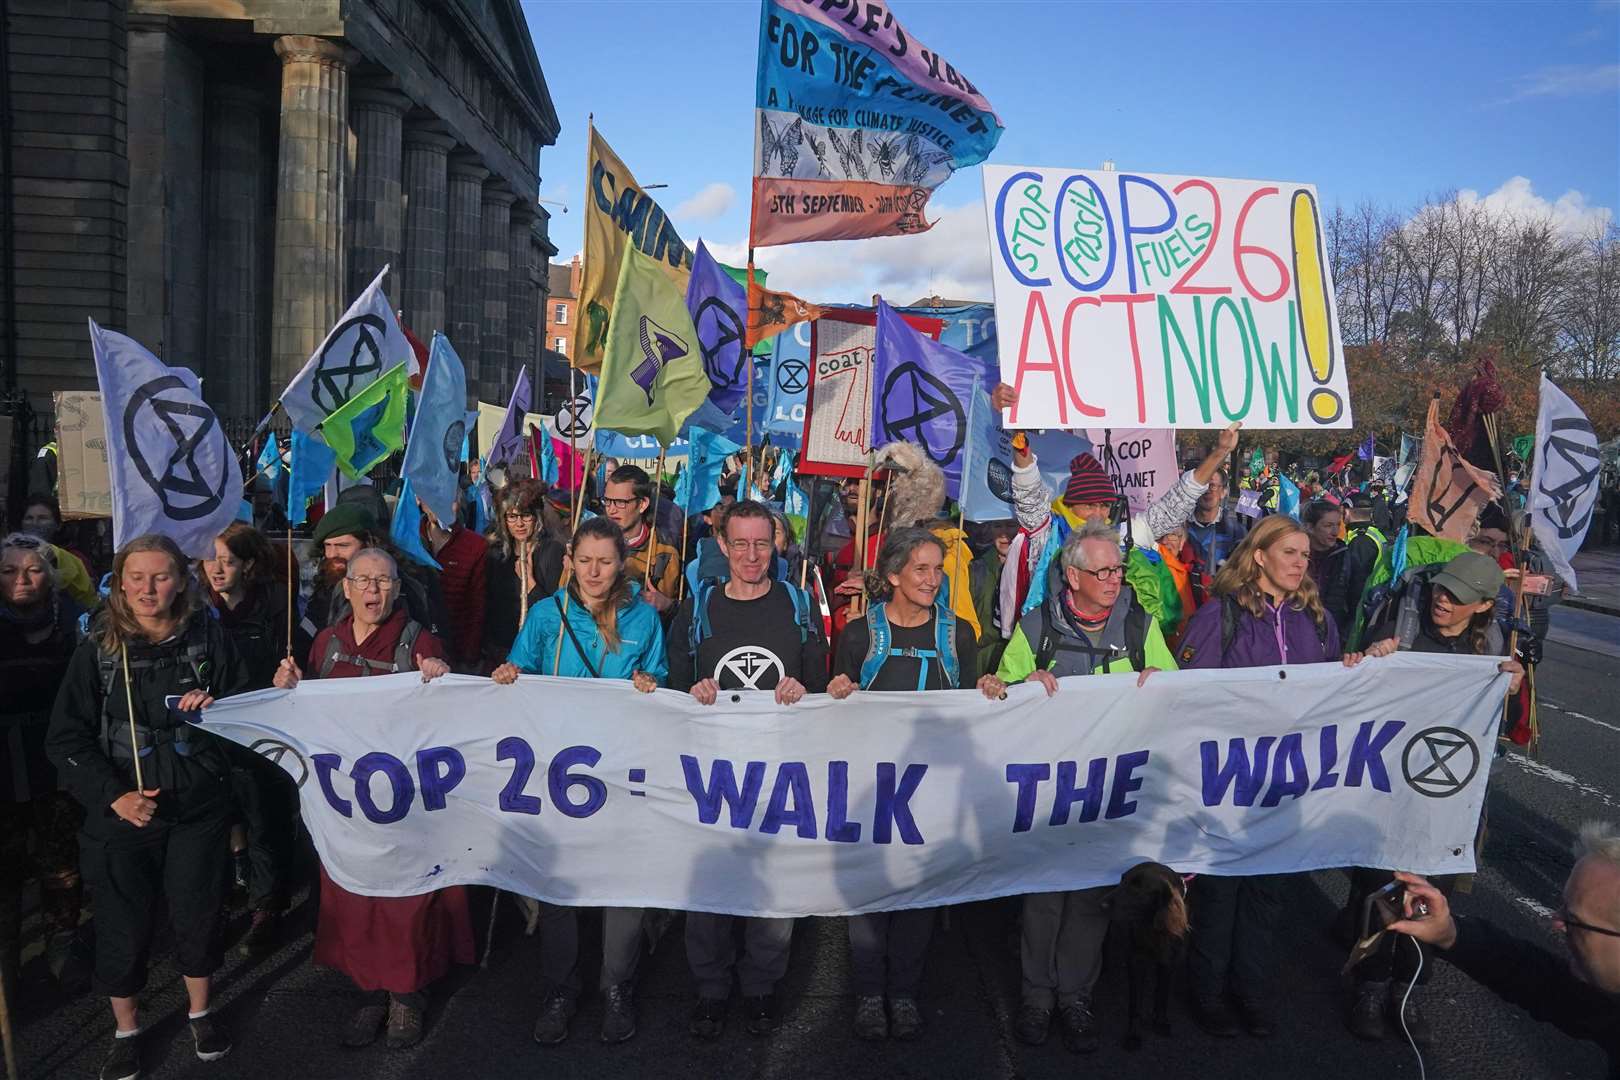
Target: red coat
400, 944
461, 580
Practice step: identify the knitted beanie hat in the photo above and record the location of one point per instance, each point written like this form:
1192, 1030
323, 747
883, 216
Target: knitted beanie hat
1088, 483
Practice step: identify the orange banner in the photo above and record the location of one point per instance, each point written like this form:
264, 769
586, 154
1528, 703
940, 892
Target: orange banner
790, 210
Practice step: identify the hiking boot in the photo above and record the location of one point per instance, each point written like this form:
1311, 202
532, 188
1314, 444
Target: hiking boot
365, 1025
404, 1023
209, 1037
1079, 1027
124, 1060
552, 1026
708, 1018
261, 934
1256, 1020
1032, 1024
618, 1013
241, 870
1215, 1018
871, 1020
1367, 1012
905, 1019
761, 1014
1417, 1026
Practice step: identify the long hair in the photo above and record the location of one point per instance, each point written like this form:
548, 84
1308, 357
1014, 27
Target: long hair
253, 548
528, 496
115, 624
607, 613
898, 544
1239, 576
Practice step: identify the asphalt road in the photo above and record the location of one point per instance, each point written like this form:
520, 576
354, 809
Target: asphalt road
287, 1014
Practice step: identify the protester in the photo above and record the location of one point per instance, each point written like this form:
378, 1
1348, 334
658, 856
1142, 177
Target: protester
524, 566
393, 948
904, 642
1215, 528
627, 501
247, 587
790, 555
1364, 543
748, 632
461, 555
1265, 612
39, 631
1580, 996
42, 518
1329, 571
598, 627
1090, 624
984, 583
347, 529
1187, 572
153, 787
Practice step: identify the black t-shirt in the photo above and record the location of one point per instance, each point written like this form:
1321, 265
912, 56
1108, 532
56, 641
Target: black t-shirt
900, 672
752, 644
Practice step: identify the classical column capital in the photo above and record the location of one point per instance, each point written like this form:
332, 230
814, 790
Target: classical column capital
497, 192
304, 49
467, 165
523, 214
426, 131
382, 98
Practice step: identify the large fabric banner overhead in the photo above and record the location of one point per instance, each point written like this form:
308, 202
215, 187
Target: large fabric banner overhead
857, 122
1128, 300
582, 792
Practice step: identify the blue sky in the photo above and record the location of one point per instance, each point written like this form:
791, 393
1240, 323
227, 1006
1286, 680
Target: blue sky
1517, 102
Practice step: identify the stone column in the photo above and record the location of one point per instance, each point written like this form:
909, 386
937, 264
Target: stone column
463, 292
309, 275
427, 190
520, 294
376, 202
495, 357
236, 377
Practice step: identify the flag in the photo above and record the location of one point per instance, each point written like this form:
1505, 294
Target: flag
794, 501
697, 489
857, 153
366, 343
406, 529
1365, 451
739, 274
371, 425
652, 373
439, 432
718, 306
1408, 446
1257, 462
921, 393
1287, 497
1447, 491
548, 455
419, 356
509, 437
269, 463
1524, 446
770, 313
172, 470
619, 216
1565, 487
312, 464
983, 422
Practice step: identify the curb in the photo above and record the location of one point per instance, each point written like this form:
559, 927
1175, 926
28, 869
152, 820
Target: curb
1590, 605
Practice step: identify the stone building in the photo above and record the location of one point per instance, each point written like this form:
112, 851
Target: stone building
219, 179
562, 316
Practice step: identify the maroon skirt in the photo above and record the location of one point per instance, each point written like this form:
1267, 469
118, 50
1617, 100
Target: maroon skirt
394, 943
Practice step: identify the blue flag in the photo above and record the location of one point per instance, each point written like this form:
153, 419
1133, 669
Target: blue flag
406, 530
269, 463
548, 458
697, 489
1287, 497
433, 454
921, 393
312, 465
719, 308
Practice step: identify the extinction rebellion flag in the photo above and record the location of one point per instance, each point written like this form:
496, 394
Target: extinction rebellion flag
856, 123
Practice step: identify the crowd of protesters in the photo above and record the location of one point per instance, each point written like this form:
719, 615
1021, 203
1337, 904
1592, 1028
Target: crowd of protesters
113, 791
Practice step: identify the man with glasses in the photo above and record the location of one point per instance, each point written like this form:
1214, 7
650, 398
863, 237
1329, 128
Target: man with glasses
627, 502
1581, 995
748, 632
1091, 624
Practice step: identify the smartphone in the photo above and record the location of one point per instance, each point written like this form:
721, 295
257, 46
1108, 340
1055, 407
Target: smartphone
1387, 905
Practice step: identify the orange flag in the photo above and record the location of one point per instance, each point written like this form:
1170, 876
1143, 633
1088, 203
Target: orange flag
769, 313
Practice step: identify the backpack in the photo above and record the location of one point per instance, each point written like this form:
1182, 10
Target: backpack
116, 735
1406, 594
402, 661
880, 647
1229, 622
701, 628
1049, 643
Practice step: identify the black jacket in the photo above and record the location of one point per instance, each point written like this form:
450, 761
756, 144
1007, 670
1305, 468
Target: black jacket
501, 600
257, 628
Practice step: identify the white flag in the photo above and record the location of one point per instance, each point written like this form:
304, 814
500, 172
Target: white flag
366, 342
1565, 487
172, 469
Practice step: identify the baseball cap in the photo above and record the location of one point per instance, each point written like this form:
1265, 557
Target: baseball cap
1471, 577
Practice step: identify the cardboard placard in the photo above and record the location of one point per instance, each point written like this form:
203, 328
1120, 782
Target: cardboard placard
838, 407
83, 485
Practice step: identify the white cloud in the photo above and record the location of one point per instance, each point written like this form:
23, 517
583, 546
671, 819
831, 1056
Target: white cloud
1570, 212
707, 204
1567, 80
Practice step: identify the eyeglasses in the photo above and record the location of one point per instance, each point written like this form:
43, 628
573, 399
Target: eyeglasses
364, 582
743, 547
520, 515
1107, 573
619, 504
1568, 920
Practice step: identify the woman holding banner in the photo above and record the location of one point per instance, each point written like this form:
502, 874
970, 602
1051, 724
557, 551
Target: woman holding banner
904, 642
393, 947
597, 627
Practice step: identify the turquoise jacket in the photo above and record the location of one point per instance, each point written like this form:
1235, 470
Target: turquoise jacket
641, 641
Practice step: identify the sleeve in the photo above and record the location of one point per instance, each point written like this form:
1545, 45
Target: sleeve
73, 742
231, 674
967, 655
1530, 977
75, 579
813, 654
654, 659
667, 581
1170, 510
1018, 661
1155, 651
1363, 558
529, 649
551, 565
312, 659
852, 644
680, 654
471, 632
426, 646
1201, 644
1032, 499
1332, 639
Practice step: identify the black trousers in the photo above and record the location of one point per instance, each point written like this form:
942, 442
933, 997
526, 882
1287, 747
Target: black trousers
132, 876
887, 950
1395, 957
1234, 935
266, 801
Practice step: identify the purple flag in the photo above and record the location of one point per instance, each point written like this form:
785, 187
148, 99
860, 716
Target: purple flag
1365, 450
922, 392
718, 306
511, 440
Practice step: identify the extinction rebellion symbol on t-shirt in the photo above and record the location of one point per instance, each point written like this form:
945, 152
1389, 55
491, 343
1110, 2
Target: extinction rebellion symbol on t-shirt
748, 665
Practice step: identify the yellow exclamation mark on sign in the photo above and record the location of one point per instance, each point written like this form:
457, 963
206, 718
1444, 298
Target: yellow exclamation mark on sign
1311, 297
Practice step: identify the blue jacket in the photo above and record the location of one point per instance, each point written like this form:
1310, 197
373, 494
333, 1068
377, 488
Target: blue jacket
641, 641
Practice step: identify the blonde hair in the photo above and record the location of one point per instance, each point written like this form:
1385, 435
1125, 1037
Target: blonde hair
1239, 576
115, 624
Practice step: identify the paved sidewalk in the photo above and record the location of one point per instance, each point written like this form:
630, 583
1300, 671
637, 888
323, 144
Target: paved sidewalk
1599, 575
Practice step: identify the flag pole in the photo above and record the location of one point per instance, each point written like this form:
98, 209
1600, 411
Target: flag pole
291, 611
748, 357
129, 704
652, 526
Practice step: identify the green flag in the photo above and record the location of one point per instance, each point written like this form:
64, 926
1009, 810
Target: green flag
652, 373
1524, 446
1257, 462
370, 425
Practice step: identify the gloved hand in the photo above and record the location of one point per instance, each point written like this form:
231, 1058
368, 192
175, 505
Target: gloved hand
1529, 648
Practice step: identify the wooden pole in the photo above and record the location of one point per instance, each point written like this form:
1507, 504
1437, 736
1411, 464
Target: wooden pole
5, 1027
748, 359
857, 603
652, 525
292, 574
129, 703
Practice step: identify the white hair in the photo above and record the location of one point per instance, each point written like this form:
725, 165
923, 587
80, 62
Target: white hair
1599, 840
1073, 555
377, 553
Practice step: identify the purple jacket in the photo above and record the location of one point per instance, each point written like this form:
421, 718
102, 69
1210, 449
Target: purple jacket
1286, 636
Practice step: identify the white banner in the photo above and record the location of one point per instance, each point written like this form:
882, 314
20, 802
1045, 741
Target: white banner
1566, 478
582, 792
1129, 300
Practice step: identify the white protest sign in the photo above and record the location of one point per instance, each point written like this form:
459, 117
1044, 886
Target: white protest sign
581, 791
1143, 463
1133, 300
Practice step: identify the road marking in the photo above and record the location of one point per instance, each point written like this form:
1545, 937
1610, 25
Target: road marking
1536, 906
1580, 716
1547, 772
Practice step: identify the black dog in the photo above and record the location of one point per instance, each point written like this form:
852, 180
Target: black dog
1148, 913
